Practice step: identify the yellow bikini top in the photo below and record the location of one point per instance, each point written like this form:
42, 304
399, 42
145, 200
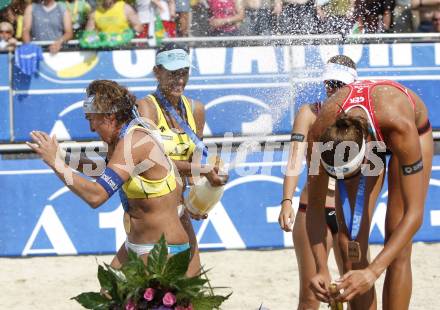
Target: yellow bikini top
178, 146
140, 187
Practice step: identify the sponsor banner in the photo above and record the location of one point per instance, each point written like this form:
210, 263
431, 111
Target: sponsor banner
247, 90
4, 98
40, 216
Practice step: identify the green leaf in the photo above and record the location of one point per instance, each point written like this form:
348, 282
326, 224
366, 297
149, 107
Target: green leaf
135, 271
106, 279
177, 265
158, 257
91, 300
208, 302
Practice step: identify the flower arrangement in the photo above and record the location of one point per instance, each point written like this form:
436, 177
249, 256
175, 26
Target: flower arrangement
161, 284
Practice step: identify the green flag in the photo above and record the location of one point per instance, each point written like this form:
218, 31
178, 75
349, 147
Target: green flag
159, 30
4, 3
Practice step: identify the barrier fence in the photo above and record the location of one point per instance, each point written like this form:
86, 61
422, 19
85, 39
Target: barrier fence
247, 91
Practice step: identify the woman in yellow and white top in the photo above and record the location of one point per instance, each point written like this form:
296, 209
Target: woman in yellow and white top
172, 73
113, 16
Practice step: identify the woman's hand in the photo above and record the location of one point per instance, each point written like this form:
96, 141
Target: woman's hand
217, 22
215, 179
355, 282
196, 217
45, 146
320, 286
287, 215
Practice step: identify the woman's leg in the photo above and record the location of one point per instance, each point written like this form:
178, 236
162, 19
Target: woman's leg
120, 258
398, 279
306, 263
337, 253
194, 265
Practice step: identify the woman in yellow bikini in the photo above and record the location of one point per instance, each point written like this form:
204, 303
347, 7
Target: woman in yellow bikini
137, 167
172, 73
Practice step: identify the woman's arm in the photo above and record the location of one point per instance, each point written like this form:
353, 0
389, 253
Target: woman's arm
68, 33
48, 149
316, 226
133, 18
298, 144
27, 24
91, 22
405, 145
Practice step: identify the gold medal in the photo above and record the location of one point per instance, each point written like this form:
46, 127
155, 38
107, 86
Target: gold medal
127, 223
354, 251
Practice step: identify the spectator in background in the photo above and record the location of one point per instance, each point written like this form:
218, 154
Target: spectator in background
296, 16
402, 16
374, 16
199, 18
424, 11
46, 20
183, 10
335, 16
13, 14
7, 40
167, 13
436, 21
226, 16
259, 18
148, 10
113, 16
79, 11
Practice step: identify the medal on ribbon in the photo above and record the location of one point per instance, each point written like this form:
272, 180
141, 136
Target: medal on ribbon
353, 219
127, 223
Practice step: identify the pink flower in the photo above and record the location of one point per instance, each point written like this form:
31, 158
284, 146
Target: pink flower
130, 305
190, 307
169, 299
149, 294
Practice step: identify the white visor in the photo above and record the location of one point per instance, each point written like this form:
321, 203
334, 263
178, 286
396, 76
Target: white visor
90, 107
340, 172
339, 72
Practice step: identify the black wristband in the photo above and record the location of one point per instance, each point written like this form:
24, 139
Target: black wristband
285, 199
297, 137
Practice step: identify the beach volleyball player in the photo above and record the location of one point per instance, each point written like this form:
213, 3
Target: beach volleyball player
137, 167
339, 71
164, 108
356, 118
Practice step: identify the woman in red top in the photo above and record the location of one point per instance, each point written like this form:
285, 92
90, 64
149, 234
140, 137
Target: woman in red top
383, 112
226, 16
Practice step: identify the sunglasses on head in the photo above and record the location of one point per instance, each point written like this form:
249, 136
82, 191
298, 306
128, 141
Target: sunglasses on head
333, 84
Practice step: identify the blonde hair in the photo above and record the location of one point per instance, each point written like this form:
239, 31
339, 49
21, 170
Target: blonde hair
8, 26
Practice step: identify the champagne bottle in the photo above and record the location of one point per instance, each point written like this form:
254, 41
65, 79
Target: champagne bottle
334, 292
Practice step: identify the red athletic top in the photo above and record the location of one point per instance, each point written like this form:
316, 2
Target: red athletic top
360, 96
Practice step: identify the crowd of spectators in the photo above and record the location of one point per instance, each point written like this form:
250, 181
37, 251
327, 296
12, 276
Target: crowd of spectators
59, 21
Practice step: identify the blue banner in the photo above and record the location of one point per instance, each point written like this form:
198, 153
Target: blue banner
246, 90
40, 216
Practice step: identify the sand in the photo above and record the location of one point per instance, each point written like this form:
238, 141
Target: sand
267, 277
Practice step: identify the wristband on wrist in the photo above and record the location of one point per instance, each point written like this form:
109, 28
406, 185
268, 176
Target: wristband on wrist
286, 199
